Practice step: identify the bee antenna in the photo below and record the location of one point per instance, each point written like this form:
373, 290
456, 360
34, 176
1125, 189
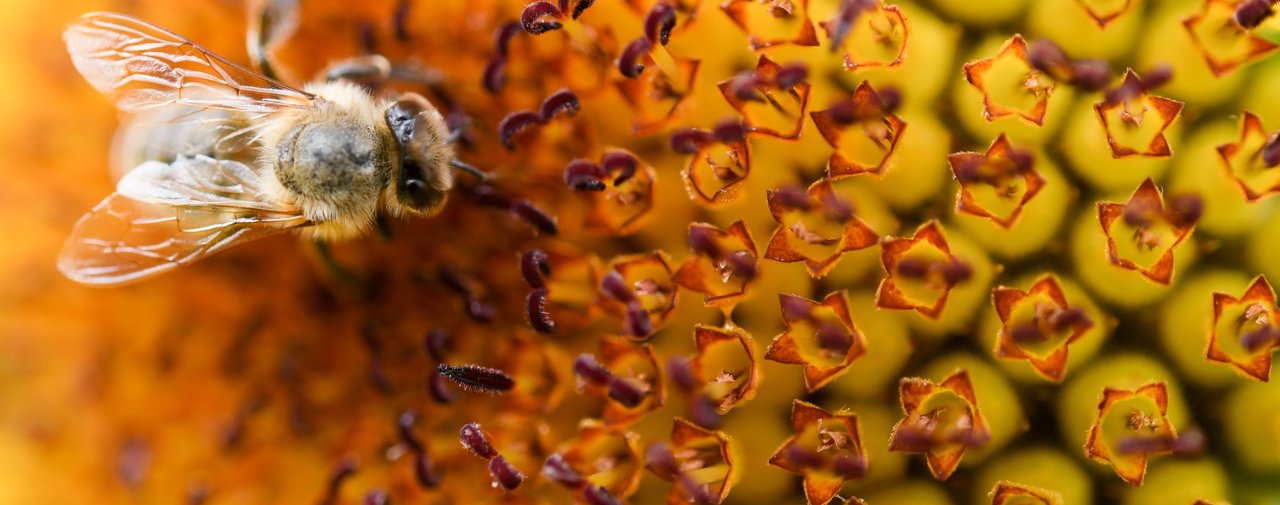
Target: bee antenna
465, 167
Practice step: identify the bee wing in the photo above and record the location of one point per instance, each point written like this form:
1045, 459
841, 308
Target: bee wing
165, 216
140, 66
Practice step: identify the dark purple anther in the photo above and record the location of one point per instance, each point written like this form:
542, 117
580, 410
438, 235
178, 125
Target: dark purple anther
629, 61
1027, 334
1144, 444
698, 493
425, 472
613, 285
557, 470
703, 412
478, 310
1190, 443
803, 457
659, 23
477, 379
539, 18
659, 459
451, 279
591, 370
438, 387
581, 7
833, 337
702, 240
495, 74
956, 271
531, 214
378, 497
680, 370
622, 166
744, 87
912, 268
346, 467
742, 263
563, 101
1046, 56
536, 312
502, 37
729, 130
1260, 339
790, 75
626, 392
837, 209
1185, 209
796, 308
404, 428
849, 466
488, 197
504, 474
535, 268
890, 99
1062, 319
436, 343
583, 175
791, 197
598, 495
1251, 13
1157, 76
133, 462
476, 441
1092, 74
690, 140
513, 124
1271, 150
637, 320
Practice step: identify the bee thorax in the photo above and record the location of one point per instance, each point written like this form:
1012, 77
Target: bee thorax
333, 169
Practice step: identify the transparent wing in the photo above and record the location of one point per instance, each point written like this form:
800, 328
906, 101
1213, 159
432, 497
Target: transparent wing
139, 66
165, 216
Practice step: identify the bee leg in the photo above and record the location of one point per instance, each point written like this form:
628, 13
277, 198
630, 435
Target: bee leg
470, 169
369, 72
276, 20
384, 227
335, 269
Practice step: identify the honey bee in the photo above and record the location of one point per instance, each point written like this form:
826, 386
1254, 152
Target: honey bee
240, 156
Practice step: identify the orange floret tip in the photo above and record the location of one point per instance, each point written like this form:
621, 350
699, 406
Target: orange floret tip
1009, 493
1246, 330
825, 448
1038, 325
1220, 32
640, 289
821, 336
1004, 170
920, 272
775, 16
1250, 160
698, 461
1156, 229
1144, 430
725, 366
815, 226
869, 113
724, 264
941, 421
1124, 111
719, 164
1030, 84
869, 33
773, 99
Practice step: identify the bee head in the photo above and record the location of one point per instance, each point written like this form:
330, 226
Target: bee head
423, 177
